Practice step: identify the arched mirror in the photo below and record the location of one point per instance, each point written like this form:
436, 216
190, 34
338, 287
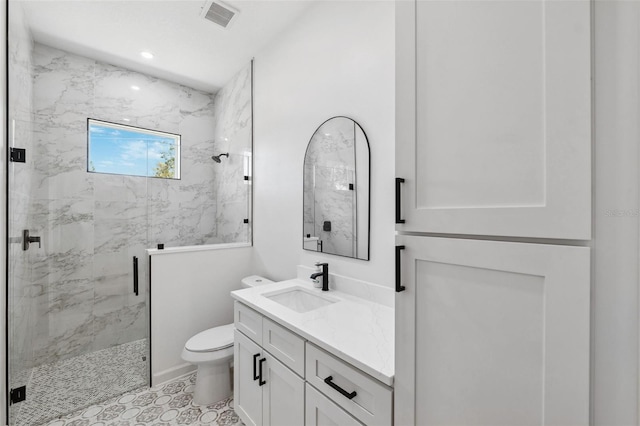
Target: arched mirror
336, 190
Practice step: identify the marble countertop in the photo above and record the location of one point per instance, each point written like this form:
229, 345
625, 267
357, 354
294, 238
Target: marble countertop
359, 331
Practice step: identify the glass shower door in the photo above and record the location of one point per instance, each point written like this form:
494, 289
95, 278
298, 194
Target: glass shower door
78, 294
78, 333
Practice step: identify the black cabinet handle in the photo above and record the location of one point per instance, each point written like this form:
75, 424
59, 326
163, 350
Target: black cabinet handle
135, 275
255, 357
399, 181
261, 382
399, 286
343, 392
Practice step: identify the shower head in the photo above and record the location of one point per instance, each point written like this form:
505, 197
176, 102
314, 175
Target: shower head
216, 158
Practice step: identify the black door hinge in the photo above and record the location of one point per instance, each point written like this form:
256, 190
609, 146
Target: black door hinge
18, 155
18, 394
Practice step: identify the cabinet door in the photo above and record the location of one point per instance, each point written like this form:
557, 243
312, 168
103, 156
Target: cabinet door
493, 117
321, 411
283, 395
492, 333
247, 394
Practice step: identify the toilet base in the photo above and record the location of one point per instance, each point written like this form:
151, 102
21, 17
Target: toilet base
213, 383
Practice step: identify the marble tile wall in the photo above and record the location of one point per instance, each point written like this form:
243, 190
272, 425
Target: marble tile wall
329, 169
233, 124
21, 294
93, 224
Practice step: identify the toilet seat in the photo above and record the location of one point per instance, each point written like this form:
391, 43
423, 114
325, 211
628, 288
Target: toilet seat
211, 340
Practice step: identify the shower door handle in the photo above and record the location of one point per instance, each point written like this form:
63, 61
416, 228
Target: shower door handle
135, 275
28, 239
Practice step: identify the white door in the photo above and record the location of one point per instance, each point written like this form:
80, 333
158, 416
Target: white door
493, 117
283, 395
247, 398
321, 411
492, 333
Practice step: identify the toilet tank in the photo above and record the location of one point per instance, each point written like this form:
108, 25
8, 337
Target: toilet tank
254, 281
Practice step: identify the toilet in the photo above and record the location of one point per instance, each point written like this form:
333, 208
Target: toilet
212, 351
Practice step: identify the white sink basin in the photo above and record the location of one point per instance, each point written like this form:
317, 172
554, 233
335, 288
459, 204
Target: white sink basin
299, 299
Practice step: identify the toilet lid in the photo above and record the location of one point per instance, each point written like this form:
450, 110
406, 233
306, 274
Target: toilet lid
211, 339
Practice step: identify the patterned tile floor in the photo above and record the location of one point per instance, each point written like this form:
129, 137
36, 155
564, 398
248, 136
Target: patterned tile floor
70, 385
167, 405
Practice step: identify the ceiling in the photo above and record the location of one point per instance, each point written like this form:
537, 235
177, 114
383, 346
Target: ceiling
187, 48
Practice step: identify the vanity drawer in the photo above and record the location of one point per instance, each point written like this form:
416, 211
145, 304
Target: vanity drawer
248, 321
320, 411
286, 346
372, 404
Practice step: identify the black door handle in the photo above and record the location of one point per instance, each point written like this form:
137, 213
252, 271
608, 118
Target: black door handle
28, 239
135, 275
399, 286
255, 357
399, 182
261, 382
343, 392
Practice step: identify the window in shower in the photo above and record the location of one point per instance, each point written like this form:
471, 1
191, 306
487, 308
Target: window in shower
127, 150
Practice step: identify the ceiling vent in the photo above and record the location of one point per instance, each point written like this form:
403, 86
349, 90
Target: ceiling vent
218, 13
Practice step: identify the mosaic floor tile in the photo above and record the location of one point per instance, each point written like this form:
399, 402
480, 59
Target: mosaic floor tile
167, 405
67, 386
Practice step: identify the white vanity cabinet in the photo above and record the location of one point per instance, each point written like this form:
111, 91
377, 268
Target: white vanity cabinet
493, 117
266, 392
280, 379
357, 393
268, 372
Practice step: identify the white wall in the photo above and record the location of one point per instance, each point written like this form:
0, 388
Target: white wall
338, 59
190, 293
617, 136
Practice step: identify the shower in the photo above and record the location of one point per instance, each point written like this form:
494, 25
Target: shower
216, 158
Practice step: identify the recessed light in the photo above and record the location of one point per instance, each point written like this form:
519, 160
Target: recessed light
135, 88
125, 119
146, 55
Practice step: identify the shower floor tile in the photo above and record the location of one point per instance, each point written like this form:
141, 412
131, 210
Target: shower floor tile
66, 386
167, 405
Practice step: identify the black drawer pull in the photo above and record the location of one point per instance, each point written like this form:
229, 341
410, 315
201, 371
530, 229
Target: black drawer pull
399, 181
343, 392
261, 382
399, 286
255, 375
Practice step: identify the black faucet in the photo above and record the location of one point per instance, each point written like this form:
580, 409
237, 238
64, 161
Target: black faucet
324, 274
